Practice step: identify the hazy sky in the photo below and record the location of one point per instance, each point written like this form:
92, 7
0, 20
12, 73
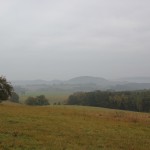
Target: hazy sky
61, 39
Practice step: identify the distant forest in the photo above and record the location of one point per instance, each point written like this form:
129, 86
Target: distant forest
126, 100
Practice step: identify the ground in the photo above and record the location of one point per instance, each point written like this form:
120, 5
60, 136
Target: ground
72, 128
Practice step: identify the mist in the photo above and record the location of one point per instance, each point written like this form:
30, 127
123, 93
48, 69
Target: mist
64, 39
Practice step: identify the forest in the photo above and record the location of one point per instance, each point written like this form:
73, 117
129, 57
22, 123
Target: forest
125, 100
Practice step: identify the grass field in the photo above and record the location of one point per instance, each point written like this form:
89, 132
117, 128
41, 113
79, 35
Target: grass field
72, 128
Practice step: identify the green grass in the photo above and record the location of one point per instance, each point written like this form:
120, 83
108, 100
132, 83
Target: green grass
72, 128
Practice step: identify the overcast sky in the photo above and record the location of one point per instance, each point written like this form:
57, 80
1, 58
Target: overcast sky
61, 39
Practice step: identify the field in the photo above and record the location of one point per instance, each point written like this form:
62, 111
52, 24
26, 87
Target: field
72, 128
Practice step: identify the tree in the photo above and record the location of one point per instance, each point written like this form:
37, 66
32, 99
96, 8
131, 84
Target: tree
146, 104
134, 100
39, 100
6, 89
14, 97
30, 101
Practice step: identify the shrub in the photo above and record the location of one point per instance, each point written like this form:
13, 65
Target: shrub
14, 97
39, 100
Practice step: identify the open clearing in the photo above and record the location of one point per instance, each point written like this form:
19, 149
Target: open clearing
72, 128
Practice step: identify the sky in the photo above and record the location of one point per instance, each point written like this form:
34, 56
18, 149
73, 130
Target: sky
62, 39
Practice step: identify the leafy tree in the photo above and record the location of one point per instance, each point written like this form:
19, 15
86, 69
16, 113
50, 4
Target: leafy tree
146, 104
6, 89
14, 97
134, 100
30, 101
39, 100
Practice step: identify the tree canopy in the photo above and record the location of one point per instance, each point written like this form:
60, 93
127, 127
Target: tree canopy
14, 97
6, 89
126, 100
39, 100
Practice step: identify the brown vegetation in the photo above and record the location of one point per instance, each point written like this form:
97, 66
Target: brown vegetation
68, 127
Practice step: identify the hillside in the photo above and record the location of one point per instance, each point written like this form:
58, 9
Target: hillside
67, 127
89, 80
131, 86
82, 83
137, 79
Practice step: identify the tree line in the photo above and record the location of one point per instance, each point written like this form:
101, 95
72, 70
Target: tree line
126, 100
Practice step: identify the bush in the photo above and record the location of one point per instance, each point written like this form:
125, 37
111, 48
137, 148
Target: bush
39, 100
14, 97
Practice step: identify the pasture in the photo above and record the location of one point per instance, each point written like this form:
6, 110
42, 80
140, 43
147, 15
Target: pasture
72, 128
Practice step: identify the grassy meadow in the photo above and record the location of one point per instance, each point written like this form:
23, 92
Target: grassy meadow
72, 128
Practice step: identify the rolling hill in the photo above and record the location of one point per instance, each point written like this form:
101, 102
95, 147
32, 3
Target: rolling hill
84, 83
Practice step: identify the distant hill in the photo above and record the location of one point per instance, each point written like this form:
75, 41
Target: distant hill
131, 86
84, 83
89, 80
77, 80
137, 79
29, 82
